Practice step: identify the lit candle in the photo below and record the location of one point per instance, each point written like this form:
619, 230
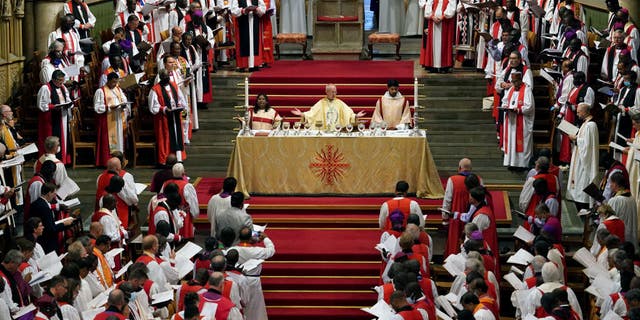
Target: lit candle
415, 92
246, 92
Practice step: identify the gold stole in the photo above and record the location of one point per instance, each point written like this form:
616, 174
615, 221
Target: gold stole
105, 276
112, 128
11, 145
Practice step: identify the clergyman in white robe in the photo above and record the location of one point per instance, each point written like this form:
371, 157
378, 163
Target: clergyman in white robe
391, 16
584, 160
625, 207
413, 20
292, 17
519, 117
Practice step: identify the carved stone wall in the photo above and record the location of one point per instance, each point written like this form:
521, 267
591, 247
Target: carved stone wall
11, 54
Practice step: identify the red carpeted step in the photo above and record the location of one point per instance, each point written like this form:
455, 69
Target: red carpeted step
319, 283
316, 313
335, 268
300, 101
319, 89
319, 298
335, 72
340, 244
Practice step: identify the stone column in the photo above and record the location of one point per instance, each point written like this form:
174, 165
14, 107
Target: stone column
29, 34
46, 14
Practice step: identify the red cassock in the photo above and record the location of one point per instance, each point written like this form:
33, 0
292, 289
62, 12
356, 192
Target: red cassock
52, 123
246, 24
121, 206
187, 228
267, 35
490, 235
224, 304
552, 187
459, 203
447, 32
168, 139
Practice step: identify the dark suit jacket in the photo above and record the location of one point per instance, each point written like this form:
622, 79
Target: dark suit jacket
49, 239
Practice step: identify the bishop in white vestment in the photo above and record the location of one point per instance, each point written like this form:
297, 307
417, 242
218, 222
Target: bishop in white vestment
584, 160
518, 123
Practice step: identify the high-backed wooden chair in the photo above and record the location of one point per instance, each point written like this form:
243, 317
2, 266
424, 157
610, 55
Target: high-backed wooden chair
77, 145
139, 145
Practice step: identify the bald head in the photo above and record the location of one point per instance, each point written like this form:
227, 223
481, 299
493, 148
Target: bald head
95, 229
218, 263
413, 230
464, 164
149, 242
216, 280
116, 298
113, 164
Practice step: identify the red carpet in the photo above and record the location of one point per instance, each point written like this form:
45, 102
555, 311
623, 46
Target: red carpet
332, 210
335, 72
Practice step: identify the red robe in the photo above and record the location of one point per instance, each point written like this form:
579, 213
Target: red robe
490, 235
187, 228
243, 28
459, 203
448, 30
267, 35
161, 127
50, 123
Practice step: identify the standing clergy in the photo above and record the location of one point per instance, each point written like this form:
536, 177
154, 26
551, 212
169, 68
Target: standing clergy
71, 38
84, 20
437, 52
393, 108
391, 16
518, 123
624, 205
292, 17
110, 103
632, 165
456, 199
54, 102
584, 161
329, 111
10, 137
248, 38
166, 103
413, 20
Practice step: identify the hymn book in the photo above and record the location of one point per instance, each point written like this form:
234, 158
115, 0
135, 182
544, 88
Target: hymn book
17, 160
259, 228
24, 311
522, 257
584, 257
517, 271
454, 264
381, 310
390, 245
50, 263
67, 188
616, 146
183, 266
568, 128
524, 234
123, 270
189, 250
446, 306
514, 281
28, 149
161, 297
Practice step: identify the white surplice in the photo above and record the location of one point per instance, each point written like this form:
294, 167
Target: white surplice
512, 157
292, 17
391, 16
626, 209
584, 163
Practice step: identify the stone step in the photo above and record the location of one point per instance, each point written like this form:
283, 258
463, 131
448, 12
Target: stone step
435, 114
446, 91
447, 126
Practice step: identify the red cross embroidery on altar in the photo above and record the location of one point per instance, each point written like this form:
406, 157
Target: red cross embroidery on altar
329, 164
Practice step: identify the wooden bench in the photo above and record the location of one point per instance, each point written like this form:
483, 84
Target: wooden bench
384, 38
295, 38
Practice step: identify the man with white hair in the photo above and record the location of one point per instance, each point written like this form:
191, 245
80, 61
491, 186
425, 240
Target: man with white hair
189, 199
330, 111
584, 161
551, 277
458, 286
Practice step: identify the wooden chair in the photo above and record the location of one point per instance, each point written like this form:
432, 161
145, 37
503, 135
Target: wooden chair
76, 145
139, 145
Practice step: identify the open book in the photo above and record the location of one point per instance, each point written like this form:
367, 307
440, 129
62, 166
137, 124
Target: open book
522, 257
524, 234
584, 257
568, 128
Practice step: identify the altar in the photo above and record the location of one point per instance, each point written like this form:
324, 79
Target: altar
312, 163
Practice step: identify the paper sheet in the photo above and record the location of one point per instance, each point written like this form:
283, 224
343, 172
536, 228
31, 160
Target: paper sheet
446, 306
50, 263
100, 300
40, 277
454, 264
183, 266
123, 270
514, 281
517, 271
28, 149
113, 252
381, 310
189, 250
522, 257
17, 160
259, 228
71, 71
568, 128
161, 297
616, 146
611, 315
584, 257
442, 315
137, 239
65, 220
70, 203
67, 188
524, 234
140, 187
24, 310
